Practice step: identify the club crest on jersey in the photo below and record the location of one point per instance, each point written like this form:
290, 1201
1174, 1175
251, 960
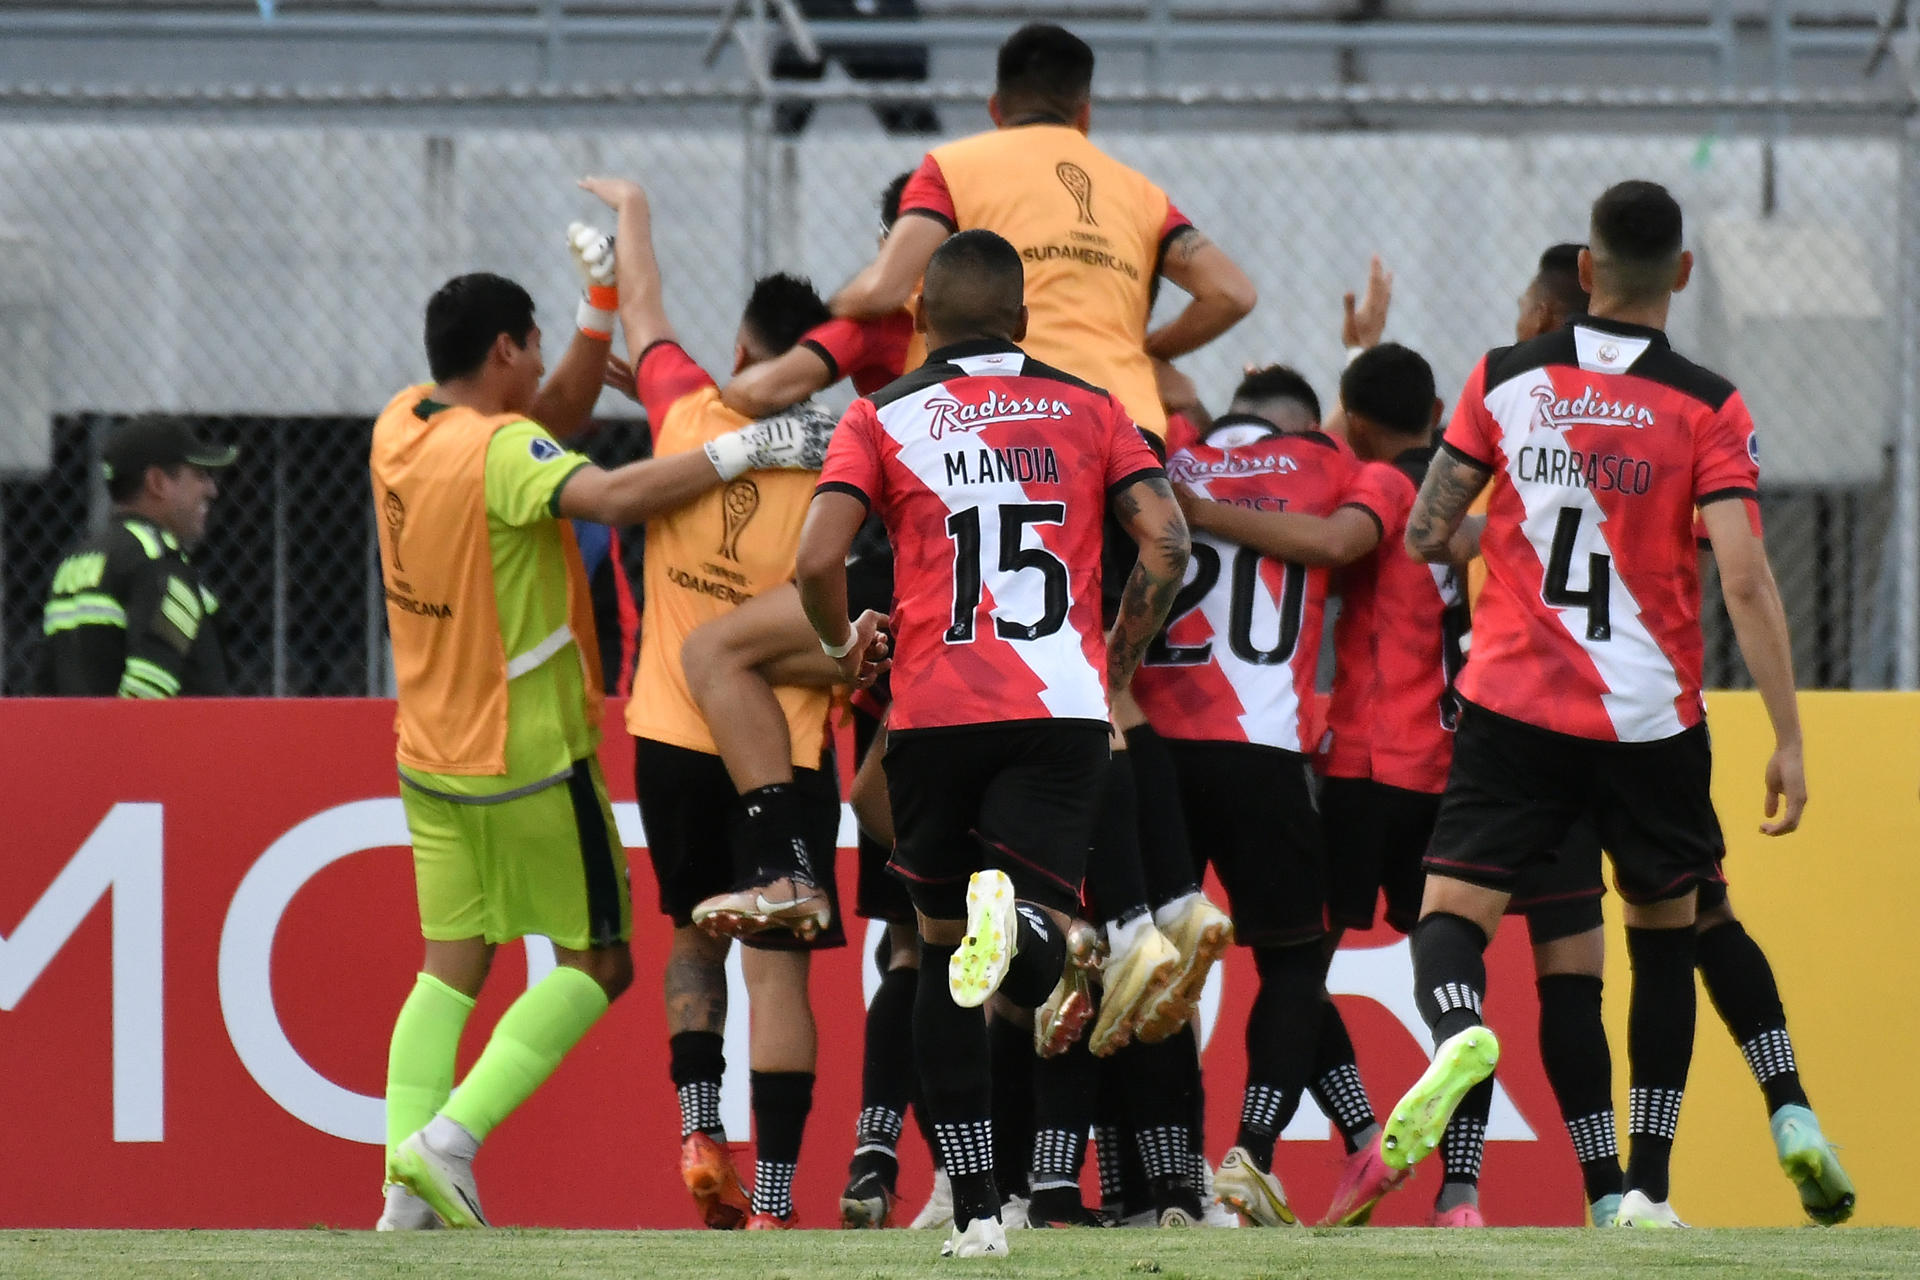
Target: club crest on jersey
1588, 409
946, 414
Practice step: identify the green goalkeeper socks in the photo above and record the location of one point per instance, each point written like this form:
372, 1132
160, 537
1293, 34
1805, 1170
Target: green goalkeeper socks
420, 1059
531, 1038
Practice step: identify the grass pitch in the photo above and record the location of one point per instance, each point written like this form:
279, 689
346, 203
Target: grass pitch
907, 1255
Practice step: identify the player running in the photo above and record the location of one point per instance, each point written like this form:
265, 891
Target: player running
1227, 685
994, 473
1583, 695
499, 702
702, 561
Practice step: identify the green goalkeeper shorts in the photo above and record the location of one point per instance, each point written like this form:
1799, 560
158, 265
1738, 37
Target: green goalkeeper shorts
548, 863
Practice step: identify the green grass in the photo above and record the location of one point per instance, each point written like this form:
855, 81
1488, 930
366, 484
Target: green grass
904, 1255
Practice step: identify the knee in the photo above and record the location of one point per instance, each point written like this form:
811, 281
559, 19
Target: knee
941, 932
615, 971
903, 947
1719, 913
707, 657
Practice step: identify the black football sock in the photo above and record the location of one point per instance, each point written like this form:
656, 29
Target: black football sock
1336, 1084
1462, 1147
1740, 983
1165, 857
1659, 1051
1065, 1095
1579, 1066
697, 1062
950, 1047
1040, 957
886, 1076
1116, 881
1159, 1114
1010, 1050
1194, 1082
1449, 972
1279, 1059
781, 1101
772, 842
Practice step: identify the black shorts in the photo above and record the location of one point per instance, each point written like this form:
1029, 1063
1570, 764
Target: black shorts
694, 819
1560, 896
1376, 837
879, 894
1250, 810
1516, 790
1018, 797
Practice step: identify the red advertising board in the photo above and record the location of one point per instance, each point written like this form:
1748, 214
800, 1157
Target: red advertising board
207, 926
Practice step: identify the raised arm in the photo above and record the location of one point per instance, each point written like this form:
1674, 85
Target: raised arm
1220, 295
566, 399
1336, 539
643, 308
1147, 510
1451, 485
885, 284
1760, 625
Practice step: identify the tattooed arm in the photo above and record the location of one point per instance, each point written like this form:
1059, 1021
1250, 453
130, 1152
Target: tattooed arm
1222, 295
1147, 510
1451, 486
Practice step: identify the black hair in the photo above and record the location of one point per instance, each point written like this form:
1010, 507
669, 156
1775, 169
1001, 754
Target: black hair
890, 199
780, 310
1044, 69
1636, 228
1278, 382
1390, 386
466, 315
974, 286
1559, 278
123, 485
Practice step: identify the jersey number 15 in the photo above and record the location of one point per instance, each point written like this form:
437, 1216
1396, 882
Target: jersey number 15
964, 528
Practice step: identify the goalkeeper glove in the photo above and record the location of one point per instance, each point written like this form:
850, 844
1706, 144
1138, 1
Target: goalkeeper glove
794, 440
593, 257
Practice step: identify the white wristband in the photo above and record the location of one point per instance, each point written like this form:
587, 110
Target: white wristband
730, 455
595, 322
1354, 353
843, 650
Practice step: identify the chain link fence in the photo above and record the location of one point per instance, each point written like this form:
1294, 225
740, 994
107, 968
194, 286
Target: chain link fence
260, 261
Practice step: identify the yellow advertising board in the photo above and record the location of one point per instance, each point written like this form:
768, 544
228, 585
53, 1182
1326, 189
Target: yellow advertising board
1834, 907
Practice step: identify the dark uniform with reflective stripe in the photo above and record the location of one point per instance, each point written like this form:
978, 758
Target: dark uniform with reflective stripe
128, 616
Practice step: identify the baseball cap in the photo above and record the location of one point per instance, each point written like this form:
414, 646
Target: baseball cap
162, 442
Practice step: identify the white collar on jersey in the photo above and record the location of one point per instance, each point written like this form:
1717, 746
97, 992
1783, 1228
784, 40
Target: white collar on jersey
1603, 352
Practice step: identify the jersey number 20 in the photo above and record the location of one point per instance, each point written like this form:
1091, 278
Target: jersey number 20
964, 528
1246, 579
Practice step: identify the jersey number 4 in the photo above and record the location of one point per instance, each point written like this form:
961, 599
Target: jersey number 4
1246, 580
964, 528
1599, 577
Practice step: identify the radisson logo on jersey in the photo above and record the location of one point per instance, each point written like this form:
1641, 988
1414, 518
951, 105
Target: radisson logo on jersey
1184, 467
1589, 409
945, 414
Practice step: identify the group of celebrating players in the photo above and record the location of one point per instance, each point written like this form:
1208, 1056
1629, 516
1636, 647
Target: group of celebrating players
1077, 620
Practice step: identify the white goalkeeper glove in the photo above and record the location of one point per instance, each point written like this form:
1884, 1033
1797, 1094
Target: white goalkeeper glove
793, 440
593, 257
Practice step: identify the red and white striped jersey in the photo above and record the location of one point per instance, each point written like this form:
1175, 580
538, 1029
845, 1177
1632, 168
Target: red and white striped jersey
992, 472
1602, 440
1241, 649
1419, 621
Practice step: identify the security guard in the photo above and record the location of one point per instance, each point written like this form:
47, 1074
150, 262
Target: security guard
127, 614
